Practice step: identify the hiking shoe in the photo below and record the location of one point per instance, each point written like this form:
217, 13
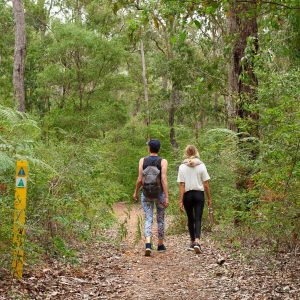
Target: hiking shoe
191, 248
197, 248
161, 248
148, 249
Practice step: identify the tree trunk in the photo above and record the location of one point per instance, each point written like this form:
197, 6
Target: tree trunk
19, 54
79, 76
137, 106
242, 88
43, 16
145, 82
173, 104
242, 81
174, 92
197, 128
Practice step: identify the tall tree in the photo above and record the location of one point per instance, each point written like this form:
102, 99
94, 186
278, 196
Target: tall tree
20, 53
242, 81
242, 114
145, 82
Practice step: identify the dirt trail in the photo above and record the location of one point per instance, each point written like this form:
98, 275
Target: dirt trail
130, 215
123, 272
181, 274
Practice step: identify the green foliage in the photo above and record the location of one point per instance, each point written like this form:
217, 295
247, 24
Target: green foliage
18, 137
85, 128
69, 193
81, 66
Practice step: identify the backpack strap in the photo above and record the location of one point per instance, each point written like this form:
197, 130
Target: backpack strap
158, 163
152, 162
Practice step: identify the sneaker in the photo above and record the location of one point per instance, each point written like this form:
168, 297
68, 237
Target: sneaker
161, 248
197, 248
148, 249
191, 248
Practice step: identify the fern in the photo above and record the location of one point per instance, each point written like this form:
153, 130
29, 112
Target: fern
10, 116
222, 131
19, 133
6, 163
35, 162
28, 128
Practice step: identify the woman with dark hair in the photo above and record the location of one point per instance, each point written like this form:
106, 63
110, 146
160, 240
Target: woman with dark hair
193, 181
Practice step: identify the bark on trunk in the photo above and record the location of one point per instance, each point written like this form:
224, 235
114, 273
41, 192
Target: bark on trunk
174, 92
79, 78
174, 98
145, 82
242, 81
19, 54
242, 86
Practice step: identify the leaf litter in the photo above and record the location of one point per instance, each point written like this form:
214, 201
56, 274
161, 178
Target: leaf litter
107, 271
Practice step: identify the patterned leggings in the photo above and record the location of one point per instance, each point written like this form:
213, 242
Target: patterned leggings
148, 206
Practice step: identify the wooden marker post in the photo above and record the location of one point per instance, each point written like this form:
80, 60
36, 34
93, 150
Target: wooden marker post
19, 218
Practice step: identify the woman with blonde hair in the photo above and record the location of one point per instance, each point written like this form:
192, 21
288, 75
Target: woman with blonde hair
193, 181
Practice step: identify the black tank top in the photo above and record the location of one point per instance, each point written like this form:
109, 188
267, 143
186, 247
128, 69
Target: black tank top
152, 161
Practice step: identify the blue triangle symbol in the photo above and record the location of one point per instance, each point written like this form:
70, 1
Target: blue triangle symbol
21, 172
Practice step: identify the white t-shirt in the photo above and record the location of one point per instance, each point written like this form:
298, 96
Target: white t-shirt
193, 177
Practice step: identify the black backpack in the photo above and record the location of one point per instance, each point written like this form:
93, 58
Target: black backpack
151, 179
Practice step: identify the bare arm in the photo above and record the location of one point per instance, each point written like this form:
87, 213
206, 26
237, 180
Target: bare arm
208, 194
139, 180
164, 180
181, 193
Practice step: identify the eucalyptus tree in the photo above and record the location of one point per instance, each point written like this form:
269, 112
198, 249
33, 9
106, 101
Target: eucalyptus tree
6, 53
242, 80
163, 25
81, 65
20, 54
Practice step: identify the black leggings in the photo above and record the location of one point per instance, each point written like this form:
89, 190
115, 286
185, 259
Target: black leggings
193, 202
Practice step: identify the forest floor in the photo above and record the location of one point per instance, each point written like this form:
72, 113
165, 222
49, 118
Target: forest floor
110, 271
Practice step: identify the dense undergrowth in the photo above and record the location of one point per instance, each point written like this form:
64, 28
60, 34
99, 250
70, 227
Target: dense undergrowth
85, 128
75, 179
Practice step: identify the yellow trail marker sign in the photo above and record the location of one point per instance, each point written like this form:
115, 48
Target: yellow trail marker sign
19, 218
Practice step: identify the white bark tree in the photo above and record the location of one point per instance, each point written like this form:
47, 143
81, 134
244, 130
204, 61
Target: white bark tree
145, 82
19, 54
